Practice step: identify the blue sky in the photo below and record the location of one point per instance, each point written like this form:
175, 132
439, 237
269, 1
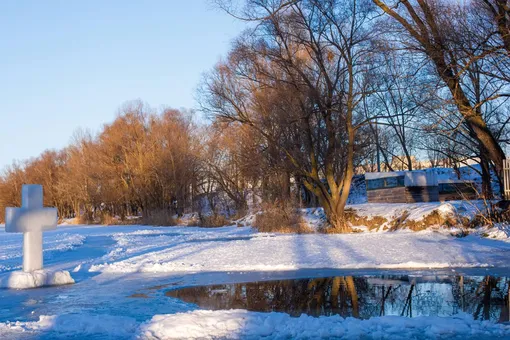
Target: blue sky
70, 64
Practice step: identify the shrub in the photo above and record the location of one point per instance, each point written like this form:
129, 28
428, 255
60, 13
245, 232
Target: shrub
86, 218
212, 221
490, 215
280, 220
159, 218
435, 218
107, 219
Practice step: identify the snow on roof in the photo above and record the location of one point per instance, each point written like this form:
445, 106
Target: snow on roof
420, 179
426, 177
378, 175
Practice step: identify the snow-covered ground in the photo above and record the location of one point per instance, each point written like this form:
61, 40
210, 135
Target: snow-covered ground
241, 249
112, 264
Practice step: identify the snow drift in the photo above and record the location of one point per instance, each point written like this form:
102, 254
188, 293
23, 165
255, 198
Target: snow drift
242, 324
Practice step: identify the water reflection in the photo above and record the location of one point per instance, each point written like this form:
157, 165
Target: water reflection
486, 298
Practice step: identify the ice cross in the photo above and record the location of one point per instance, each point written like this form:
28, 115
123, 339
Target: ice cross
31, 220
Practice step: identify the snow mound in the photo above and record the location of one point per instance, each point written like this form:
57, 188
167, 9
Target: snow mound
242, 324
71, 324
416, 211
37, 278
500, 231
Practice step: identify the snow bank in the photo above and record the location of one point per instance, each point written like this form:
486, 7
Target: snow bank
107, 326
316, 219
242, 324
418, 211
390, 211
37, 278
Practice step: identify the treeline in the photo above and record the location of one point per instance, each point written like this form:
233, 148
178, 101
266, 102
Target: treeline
139, 163
151, 163
312, 93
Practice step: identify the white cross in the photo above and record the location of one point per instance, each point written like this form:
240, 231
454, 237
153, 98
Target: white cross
31, 220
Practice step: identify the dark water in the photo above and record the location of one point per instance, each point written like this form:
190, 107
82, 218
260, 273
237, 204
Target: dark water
484, 297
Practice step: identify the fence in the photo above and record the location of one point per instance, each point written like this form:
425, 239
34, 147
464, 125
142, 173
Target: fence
506, 177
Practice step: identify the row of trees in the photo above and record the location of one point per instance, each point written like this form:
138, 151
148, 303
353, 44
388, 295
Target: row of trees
312, 93
139, 163
149, 162
317, 78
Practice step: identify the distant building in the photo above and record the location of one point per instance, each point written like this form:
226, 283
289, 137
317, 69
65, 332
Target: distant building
416, 186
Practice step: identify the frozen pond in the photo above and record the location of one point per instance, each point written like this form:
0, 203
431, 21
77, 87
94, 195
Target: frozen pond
484, 297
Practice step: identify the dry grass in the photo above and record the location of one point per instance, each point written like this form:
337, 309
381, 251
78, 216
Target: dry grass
355, 220
212, 221
161, 218
399, 222
280, 220
107, 219
85, 218
434, 219
491, 214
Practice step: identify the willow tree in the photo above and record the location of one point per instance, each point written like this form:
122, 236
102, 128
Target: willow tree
298, 78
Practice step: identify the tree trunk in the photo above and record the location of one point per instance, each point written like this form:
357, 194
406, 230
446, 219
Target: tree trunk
487, 192
334, 211
332, 200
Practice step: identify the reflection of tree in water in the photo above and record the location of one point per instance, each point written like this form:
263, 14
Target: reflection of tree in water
486, 298
363, 297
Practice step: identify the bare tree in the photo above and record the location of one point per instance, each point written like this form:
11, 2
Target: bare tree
429, 25
298, 79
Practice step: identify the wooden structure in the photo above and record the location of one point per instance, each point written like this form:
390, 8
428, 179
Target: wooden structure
385, 187
401, 187
451, 190
415, 186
